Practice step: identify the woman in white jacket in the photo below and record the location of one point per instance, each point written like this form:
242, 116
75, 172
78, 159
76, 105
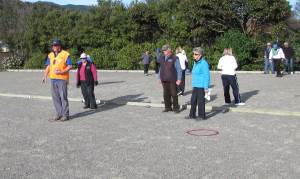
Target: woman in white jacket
180, 53
228, 65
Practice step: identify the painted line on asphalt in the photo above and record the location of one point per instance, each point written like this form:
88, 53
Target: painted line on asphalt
240, 109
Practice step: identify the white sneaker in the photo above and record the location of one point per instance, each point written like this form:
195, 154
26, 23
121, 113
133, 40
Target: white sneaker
240, 104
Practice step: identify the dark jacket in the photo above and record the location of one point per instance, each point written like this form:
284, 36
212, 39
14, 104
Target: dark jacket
88, 73
288, 52
167, 68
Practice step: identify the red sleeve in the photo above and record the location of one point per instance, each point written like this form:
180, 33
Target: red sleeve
94, 72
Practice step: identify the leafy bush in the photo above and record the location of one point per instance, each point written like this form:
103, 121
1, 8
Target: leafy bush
245, 49
104, 58
37, 61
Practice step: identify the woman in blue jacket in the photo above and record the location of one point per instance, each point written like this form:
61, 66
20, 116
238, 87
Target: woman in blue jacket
200, 84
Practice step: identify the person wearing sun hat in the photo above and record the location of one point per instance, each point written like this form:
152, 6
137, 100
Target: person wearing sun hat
87, 80
58, 65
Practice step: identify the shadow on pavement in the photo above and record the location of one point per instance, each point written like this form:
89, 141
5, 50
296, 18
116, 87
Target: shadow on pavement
247, 95
111, 82
110, 104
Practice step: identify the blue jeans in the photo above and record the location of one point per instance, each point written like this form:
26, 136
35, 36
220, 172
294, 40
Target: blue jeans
289, 65
269, 65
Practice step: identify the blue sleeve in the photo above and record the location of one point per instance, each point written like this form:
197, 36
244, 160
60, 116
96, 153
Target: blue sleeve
178, 69
206, 75
47, 61
69, 61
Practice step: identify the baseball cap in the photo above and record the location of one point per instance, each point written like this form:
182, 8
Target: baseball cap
83, 56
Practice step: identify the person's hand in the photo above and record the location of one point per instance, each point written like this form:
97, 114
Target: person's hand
58, 72
44, 80
178, 82
96, 83
159, 82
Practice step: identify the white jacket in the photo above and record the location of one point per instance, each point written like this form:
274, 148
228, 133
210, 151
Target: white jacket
227, 64
182, 59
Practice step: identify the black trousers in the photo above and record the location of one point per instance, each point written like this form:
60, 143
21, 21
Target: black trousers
277, 63
157, 65
181, 87
88, 94
231, 80
170, 91
146, 68
198, 99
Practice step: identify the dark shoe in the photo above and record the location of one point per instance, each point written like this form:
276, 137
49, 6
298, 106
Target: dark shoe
85, 107
177, 111
167, 110
94, 108
64, 118
200, 118
189, 117
54, 119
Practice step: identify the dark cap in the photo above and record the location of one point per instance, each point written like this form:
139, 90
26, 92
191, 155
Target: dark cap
56, 42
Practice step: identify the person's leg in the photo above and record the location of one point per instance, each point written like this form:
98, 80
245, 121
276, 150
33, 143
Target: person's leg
235, 89
167, 95
201, 103
266, 70
84, 92
63, 90
145, 69
91, 96
278, 67
56, 98
174, 96
286, 65
226, 88
182, 85
271, 62
292, 66
193, 104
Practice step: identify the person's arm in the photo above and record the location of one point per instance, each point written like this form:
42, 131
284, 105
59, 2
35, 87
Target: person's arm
94, 72
178, 70
282, 56
206, 76
67, 69
47, 70
270, 55
220, 64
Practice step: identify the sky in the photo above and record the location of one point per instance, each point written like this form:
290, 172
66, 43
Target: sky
94, 2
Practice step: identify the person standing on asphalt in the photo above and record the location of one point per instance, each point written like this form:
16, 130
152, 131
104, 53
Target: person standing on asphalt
182, 60
170, 76
269, 65
228, 65
277, 55
59, 64
146, 61
289, 58
87, 79
157, 57
200, 84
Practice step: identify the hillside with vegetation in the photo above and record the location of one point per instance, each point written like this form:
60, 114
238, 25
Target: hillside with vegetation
116, 35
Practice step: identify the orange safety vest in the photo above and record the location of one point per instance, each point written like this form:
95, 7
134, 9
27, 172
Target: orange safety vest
58, 63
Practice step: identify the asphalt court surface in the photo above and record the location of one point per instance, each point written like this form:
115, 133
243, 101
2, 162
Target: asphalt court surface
123, 141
